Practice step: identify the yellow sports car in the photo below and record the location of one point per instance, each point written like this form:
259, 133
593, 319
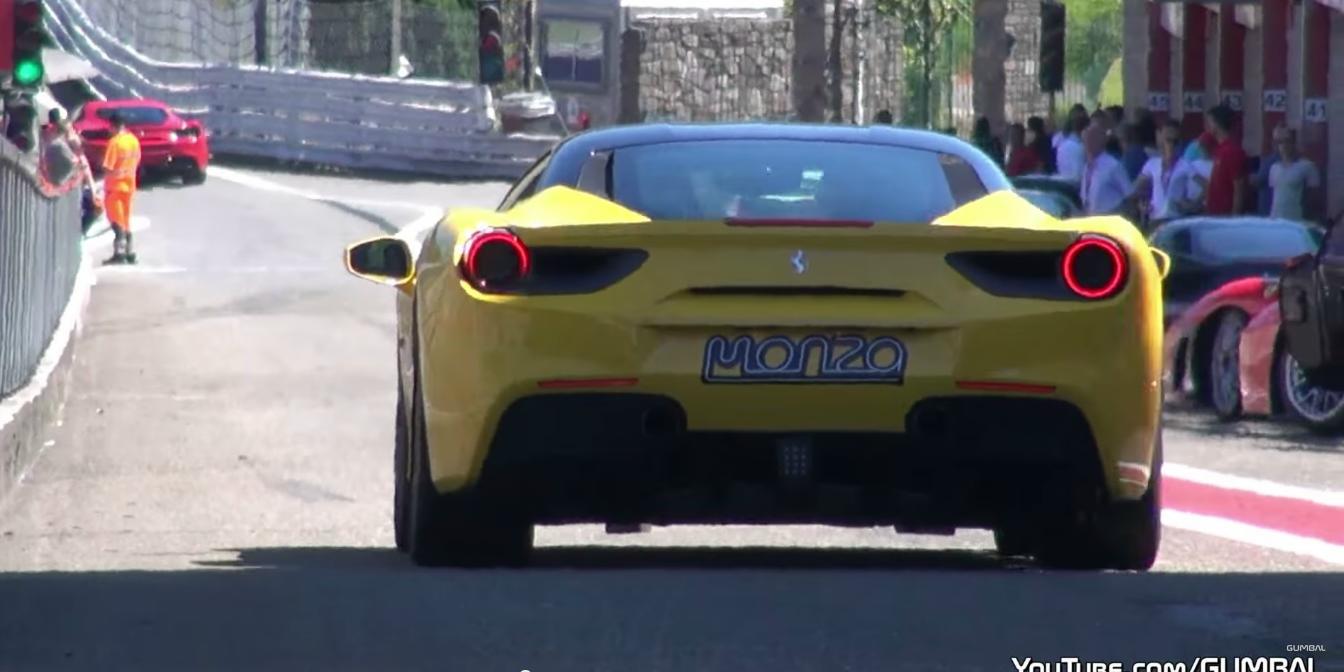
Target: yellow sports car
775, 323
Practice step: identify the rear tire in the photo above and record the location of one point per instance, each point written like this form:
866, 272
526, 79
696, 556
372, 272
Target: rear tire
1119, 535
1319, 409
401, 475
194, 176
1013, 542
1225, 365
464, 528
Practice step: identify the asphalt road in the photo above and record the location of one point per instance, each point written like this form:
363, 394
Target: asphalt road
218, 496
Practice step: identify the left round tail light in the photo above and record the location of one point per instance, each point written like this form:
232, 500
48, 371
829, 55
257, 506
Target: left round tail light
494, 259
1095, 267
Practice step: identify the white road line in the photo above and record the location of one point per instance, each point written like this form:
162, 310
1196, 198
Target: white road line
411, 232
1253, 485
1256, 536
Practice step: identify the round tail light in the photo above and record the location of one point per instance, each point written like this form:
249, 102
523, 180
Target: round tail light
494, 259
1095, 267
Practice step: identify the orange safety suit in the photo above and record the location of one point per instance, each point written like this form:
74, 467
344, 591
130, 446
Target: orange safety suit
121, 161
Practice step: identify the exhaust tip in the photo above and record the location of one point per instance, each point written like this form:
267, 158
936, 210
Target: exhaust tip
931, 421
661, 422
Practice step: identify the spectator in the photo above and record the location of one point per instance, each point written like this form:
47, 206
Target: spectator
1106, 186
1133, 153
57, 160
884, 117
1154, 181
1107, 122
1190, 180
1070, 157
1293, 178
1260, 180
951, 130
1227, 183
1038, 137
1022, 156
1117, 113
982, 138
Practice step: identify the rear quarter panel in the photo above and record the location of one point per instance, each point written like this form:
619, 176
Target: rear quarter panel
1246, 295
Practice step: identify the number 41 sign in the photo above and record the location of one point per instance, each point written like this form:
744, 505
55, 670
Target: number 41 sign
1314, 110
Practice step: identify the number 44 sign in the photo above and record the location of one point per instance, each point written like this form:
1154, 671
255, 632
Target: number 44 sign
1313, 110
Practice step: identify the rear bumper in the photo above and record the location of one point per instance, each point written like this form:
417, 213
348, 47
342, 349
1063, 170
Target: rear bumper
966, 462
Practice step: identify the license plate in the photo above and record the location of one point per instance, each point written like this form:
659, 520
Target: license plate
815, 358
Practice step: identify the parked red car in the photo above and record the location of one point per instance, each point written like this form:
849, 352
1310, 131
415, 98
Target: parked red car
169, 144
1227, 350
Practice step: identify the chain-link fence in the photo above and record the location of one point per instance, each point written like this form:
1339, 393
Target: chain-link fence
438, 38
39, 259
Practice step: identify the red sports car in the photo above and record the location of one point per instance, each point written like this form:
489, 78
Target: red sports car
1227, 350
169, 144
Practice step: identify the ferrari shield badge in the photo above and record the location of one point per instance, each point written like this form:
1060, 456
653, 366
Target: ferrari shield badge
799, 262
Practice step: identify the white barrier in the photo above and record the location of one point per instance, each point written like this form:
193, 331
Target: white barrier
351, 121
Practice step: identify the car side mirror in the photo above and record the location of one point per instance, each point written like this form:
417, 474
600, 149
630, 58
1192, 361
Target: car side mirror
384, 260
1163, 262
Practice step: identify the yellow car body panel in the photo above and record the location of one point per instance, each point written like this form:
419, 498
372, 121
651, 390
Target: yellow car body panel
478, 353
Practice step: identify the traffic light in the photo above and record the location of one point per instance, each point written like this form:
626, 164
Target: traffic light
490, 28
1052, 46
27, 70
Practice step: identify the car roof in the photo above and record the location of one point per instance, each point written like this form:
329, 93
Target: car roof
1243, 220
574, 149
646, 134
132, 102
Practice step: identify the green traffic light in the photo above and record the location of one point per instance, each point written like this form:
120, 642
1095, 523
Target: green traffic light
28, 73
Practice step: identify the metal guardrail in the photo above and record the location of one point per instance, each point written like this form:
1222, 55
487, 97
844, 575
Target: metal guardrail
352, 121
40, 253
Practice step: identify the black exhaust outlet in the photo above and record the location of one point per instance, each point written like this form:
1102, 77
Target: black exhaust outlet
932, 421
662, 422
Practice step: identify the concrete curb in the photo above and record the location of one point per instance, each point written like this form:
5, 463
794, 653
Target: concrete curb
27, 415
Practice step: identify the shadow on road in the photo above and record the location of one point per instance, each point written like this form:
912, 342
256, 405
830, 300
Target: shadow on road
1271, 434
627, 557
651, 609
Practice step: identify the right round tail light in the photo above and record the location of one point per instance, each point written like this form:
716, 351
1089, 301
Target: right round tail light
1095, 267
494, 259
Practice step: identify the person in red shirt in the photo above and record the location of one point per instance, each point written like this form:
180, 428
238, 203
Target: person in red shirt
1227, 182
1022, 157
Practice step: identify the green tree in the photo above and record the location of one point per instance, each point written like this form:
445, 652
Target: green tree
1093, 39
927, 24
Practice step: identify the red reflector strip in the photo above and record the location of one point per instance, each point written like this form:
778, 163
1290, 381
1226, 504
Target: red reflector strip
999, 386
570, 383
802, 223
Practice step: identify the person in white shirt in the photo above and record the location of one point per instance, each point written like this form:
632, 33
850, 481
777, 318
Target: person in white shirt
1106, 186
1154, 181
1069, 153
1292, 178
1185, 194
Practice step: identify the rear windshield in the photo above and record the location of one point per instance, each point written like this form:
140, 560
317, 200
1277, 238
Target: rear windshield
135, 116
1250, 241
791, 179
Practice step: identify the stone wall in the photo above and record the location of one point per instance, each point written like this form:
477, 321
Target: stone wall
737, 69
1022, 95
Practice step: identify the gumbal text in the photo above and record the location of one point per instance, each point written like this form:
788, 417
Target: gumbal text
1204, 664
